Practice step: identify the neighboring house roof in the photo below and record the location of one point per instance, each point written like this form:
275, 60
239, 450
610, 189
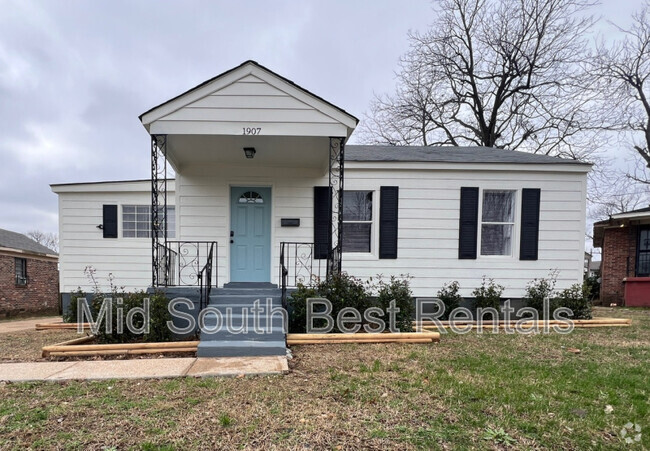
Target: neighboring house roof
639, 213
18, 241
618, 220
594, 265
449, 154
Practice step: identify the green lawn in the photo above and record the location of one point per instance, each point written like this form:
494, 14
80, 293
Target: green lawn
467, 392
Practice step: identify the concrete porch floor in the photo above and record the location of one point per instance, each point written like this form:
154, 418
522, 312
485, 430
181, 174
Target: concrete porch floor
143, 368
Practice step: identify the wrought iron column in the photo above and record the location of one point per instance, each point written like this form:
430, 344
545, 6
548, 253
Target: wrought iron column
159, 260
336, 178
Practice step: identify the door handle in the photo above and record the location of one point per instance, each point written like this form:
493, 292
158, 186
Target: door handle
232, 241
232, 233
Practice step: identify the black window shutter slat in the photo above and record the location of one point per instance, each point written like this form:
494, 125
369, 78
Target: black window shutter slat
388, 214
468, 224
528, 246
109, 224
322, 215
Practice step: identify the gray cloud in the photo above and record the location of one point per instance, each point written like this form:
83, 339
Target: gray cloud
74, 75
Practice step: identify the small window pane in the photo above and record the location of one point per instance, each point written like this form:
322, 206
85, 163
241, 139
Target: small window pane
251, 197
21, 271
357, 205
496, 239
356, 237
644, 240
498, 206
644, 265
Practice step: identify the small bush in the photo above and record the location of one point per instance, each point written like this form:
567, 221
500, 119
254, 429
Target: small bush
343, 290
398, 290
592, 287
488, 295
121, 305
297, 306
450, 297
540, 289
577, 299
346, 291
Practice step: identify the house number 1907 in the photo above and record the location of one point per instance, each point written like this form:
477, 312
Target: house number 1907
251, 130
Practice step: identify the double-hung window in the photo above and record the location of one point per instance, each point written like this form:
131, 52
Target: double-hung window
497, 222
136, 221
357, 221
21, 271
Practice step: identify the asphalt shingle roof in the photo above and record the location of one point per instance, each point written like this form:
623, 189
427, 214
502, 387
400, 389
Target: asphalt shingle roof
14, 240
448, 155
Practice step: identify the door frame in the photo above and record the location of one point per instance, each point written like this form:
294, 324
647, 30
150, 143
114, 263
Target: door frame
241, 183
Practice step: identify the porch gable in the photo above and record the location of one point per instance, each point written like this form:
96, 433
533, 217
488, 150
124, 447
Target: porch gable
249, 100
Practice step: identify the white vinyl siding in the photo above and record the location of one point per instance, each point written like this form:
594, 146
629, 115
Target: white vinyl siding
81, 243
256, 100
429, 207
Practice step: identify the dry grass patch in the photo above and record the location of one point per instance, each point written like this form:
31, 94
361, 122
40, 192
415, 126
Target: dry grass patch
25, 346
467, 392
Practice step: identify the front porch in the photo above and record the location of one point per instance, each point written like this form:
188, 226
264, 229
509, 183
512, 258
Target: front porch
259, 168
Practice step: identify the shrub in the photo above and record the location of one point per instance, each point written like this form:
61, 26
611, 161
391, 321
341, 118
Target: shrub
592, 287
297, 306
577, 299
540, 289
488, 295
346, 291
398, 289
450, 297
70, 315
343, 290
121, 305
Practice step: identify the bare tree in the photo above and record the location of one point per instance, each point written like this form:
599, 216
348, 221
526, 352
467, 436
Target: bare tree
623, 69
495, 73
47, 239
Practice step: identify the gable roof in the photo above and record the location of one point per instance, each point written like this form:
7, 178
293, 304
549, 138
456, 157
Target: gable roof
449, 154
197, 92
18, 241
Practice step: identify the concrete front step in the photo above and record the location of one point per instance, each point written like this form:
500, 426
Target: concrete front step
227, 348
235, 305
277, 334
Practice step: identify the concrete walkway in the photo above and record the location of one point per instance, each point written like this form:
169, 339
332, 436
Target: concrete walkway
26, 324
142, 368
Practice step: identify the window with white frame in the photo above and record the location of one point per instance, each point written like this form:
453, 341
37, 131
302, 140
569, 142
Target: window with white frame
136, 221
497, 222
357, 221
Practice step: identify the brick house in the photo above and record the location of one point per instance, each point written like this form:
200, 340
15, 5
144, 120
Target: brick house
625, 269
29, 276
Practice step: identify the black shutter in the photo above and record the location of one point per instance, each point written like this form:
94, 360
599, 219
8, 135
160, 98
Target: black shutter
109, 224
388, 208
529, 223
322, 217
468, 224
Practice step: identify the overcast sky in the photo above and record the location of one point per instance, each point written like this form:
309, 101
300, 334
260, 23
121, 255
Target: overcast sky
75, 75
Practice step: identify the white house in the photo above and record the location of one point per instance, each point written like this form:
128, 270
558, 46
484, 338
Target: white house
437, 214
263, 170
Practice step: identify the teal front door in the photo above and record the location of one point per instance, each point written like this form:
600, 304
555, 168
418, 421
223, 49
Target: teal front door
250, 234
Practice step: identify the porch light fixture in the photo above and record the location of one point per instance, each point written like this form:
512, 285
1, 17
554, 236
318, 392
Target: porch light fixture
249, 151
